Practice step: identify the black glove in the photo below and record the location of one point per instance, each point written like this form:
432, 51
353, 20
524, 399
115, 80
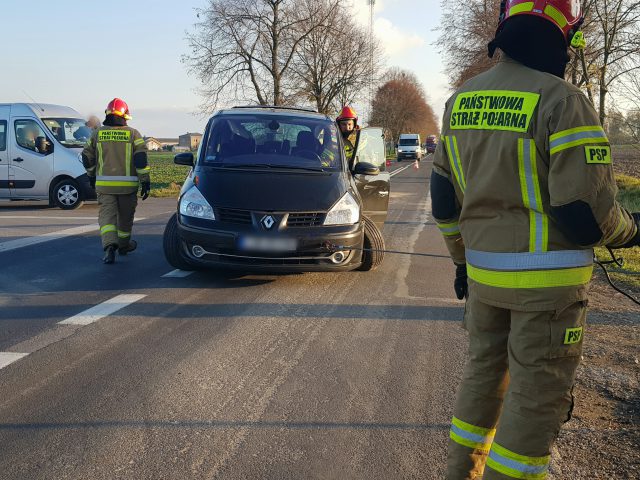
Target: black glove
145, 188
460, 283
635, 241
92, 182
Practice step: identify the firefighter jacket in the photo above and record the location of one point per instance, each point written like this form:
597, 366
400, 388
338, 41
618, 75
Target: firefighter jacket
117, 157
519, 146
350, 145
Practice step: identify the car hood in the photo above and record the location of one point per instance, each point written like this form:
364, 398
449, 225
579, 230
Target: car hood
272, 191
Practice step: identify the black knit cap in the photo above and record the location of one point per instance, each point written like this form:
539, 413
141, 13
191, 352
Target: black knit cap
534, 42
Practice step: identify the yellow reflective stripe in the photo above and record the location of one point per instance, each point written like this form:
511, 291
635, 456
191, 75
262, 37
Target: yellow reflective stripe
122, 234
454, 160
107, 229
471, 436
576, 136
100, 159
577, 143
520, 8
531, 196
556, 15
571, 131
139, 142
108, 183
127, 159
568, 277
517, 466
449, 229
143, 170
622, 224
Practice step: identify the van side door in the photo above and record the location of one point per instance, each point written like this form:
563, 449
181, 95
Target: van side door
4, 157
30, 162
373, 189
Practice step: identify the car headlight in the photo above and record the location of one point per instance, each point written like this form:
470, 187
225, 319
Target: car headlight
400, 150
346, 211
193, 204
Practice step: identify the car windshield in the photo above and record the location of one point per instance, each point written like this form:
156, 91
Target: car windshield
70, 132
272, 141
408, 142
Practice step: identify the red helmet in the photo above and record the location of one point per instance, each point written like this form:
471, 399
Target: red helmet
565, 14
118, 107
347, 113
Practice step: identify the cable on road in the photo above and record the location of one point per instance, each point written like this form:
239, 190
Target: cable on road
619, 262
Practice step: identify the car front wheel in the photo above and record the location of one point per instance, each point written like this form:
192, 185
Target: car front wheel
373, 253
66, 194
172, 246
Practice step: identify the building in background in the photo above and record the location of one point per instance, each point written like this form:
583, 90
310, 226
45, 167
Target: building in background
168, 143
191, 141
152, 144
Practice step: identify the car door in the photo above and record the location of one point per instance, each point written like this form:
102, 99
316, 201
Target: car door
373, 189
4, 160
30, 165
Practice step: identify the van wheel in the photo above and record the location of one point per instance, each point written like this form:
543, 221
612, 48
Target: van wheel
66, 194
172, 246
373, 240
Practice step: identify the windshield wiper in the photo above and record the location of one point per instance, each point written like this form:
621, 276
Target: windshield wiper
267, 165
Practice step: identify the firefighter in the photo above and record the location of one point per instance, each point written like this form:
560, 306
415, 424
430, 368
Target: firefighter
522, 188
116, 162
348, 124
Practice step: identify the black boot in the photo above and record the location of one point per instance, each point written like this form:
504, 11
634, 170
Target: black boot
129, 248
109, 254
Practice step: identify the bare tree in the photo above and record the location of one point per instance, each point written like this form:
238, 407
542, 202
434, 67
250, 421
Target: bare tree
466, 29
400, 106
245, 48
334, 62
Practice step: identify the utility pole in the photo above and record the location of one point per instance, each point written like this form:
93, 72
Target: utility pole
372, 4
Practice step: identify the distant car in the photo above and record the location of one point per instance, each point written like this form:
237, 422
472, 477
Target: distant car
271, 190
409, 147
432, 143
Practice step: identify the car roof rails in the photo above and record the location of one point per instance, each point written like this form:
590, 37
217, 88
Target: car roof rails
276, 107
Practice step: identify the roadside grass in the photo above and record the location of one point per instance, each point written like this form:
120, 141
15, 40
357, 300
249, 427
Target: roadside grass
166, 177
629, 197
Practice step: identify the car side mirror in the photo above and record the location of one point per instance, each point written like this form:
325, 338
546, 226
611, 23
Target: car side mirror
185, 158
43, 145
365, 168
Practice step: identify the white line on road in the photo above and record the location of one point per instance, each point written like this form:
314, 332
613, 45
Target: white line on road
7, 358
47, 237
102, 310
177, 274
395, 172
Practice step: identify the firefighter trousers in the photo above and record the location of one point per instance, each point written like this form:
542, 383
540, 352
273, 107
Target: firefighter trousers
516, 390
116, 218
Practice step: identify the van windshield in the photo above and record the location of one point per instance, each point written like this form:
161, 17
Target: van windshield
272, 141
70, 132
408, 142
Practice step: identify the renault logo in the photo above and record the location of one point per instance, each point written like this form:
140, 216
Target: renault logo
268, 222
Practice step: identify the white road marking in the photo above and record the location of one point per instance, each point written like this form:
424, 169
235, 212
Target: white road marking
47, 237
177, 274
7, 358
102, 310
395, 172
46, 217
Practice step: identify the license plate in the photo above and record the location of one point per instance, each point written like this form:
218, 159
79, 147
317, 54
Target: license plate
267, 244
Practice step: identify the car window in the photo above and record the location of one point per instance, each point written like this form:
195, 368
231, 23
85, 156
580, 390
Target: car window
277, 141
27, 134
3, 135
371, 147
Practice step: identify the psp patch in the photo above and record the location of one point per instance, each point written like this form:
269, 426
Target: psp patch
572, 336
598, 155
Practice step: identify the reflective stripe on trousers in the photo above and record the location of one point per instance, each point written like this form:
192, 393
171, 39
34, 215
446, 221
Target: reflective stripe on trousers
514, 465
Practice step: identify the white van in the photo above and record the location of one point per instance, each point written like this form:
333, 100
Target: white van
409, 147
40, 154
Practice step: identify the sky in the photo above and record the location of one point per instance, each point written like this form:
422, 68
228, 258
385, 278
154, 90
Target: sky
84, 53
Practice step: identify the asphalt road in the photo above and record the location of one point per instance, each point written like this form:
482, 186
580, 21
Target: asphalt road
119, 372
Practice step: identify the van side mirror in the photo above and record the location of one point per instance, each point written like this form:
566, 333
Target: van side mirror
185, 158
365, 168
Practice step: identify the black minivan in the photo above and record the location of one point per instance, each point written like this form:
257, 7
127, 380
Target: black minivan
272, 190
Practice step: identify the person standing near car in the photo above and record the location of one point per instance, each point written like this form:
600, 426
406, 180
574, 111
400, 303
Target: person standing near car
348, 123
116, 162
522, 188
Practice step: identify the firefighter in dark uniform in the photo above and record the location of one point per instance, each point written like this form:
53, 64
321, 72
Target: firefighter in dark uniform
522, 189
116, 162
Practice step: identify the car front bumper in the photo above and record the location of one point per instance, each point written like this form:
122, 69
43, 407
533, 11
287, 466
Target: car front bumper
219, 247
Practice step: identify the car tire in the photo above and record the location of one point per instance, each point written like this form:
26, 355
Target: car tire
373, 253
66, 194
172, 246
